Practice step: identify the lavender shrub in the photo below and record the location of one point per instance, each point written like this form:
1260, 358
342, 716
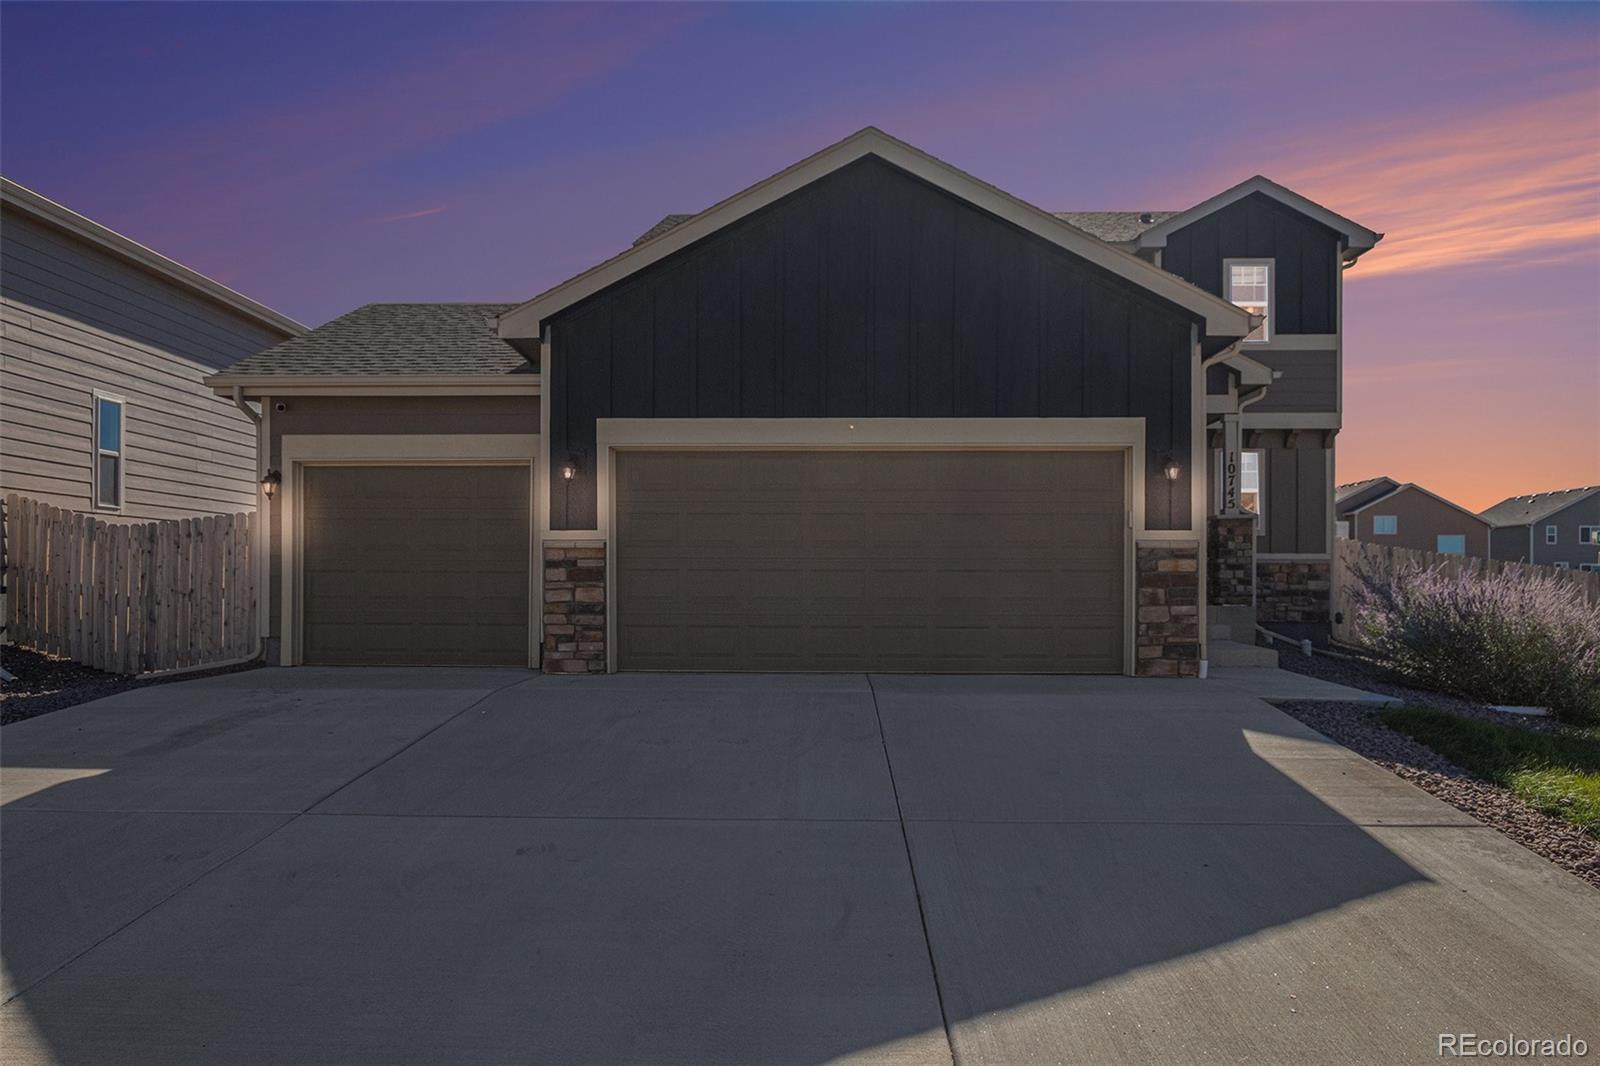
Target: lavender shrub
1513, 636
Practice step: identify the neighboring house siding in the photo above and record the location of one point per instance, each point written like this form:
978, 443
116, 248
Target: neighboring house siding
1511, 542
1419, 521
1304, 255
365, 415
1309, 382
871, 294
74, 319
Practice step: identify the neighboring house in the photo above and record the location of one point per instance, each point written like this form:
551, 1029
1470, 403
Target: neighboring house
870, 413
1381, 510
103, 348
1560, 528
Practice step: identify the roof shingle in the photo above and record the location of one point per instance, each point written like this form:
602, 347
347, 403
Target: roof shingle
1520, 510
1114, 227
412, 338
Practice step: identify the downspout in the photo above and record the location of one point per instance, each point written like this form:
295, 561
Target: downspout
261, 533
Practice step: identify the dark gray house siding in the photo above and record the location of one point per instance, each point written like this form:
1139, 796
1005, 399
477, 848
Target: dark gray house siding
1514, 543
1295, 481
73, 319
1309, 382
871, 294
1304, 252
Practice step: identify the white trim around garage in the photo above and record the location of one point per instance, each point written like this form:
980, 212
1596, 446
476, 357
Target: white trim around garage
297, 451
865, 434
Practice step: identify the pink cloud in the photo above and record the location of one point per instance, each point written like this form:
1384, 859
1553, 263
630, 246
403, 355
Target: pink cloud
424, 213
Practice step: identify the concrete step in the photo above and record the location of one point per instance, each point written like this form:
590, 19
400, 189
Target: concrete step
1232, 653
1231, 623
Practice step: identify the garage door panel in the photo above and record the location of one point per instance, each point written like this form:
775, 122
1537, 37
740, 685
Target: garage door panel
956, 561
415, 565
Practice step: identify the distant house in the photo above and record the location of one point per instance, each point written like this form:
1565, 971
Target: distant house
1385, 511
1560, 528
103, 348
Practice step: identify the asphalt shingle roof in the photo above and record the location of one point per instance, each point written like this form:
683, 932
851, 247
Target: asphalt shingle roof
1115, 227
1345, 491
1520, 510
432, 338
661, 227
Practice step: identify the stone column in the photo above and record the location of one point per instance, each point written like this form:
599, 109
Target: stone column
574, 607
1231, 560
1167, 627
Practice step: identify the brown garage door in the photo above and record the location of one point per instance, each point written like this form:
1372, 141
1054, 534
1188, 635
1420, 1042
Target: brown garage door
415, 565
893, 560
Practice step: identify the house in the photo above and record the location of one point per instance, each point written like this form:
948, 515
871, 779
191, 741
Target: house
1560, 528
103, 351
1381, 510
868, 413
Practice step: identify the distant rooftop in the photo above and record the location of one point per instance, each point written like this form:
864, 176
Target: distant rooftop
410, 338
1115, 227
1520, 510
1349, 489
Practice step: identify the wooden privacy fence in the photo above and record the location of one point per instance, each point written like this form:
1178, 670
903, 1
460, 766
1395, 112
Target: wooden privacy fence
1380, 559
130, 597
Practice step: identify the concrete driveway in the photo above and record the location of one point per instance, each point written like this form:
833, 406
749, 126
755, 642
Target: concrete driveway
321, 866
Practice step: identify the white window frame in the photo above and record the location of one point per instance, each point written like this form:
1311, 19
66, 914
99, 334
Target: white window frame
1589, 534
1589, 568
1394, 532
1270, 308
1552, 534
1562, 565
121, 453
1438, 543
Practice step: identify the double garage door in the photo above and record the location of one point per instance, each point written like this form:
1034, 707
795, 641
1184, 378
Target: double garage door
964, 561
961, 561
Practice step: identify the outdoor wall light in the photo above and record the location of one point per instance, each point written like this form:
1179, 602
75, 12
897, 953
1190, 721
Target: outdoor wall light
569, 470
269, 483
1172, 470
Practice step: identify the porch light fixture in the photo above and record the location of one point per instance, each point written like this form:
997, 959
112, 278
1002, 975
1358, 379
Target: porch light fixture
269, 483
1172, 469
569, 470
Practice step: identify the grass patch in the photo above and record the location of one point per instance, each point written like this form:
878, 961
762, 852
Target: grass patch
1558, 774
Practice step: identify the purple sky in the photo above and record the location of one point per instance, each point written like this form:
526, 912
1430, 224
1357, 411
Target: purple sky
317, 157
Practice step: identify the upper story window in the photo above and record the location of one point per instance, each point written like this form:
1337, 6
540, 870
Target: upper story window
1552, 534
108, 426
1249, 284
1385, 525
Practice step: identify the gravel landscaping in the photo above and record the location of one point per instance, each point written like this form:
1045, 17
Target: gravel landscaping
1358, 727
44, 684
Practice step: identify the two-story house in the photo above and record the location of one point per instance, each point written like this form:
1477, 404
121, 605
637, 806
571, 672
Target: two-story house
1381, 510
869, 413
103, 347
1560, 528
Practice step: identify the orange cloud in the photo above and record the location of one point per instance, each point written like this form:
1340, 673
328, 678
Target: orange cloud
1519, 181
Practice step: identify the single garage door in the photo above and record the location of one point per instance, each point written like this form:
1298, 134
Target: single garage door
966, 561
415, 565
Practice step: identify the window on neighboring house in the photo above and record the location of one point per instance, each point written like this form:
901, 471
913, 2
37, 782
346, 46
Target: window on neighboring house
1249, 284
1589, 534
1551, 534
108, 432
1452, 544
1385, 525
1562, 566
1590, 567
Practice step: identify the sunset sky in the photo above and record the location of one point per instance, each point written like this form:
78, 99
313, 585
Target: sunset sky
317, 157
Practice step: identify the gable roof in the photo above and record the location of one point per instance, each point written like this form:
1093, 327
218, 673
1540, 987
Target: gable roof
46, 210
1222, 319
1520, 510
1357, 237
1409, 486
1116, 227
407, 339
1345, 491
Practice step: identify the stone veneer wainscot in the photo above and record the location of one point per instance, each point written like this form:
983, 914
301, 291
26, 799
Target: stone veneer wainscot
1167, 626
1293, 590
1231, 560
574, 607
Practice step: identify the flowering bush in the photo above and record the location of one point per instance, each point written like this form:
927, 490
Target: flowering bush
1515, 636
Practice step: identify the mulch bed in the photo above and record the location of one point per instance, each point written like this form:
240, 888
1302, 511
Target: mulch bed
1358, 727
44, 684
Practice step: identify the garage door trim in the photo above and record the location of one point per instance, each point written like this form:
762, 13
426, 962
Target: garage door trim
873, 434
298, 451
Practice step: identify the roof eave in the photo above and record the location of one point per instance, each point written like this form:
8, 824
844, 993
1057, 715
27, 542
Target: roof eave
259, 385
1358, 238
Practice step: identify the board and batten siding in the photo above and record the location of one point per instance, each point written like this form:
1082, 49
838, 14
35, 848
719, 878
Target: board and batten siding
75, 319
1299, 495
870, 293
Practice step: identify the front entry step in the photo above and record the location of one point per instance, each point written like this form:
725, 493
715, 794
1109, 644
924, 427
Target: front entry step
1232, 653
